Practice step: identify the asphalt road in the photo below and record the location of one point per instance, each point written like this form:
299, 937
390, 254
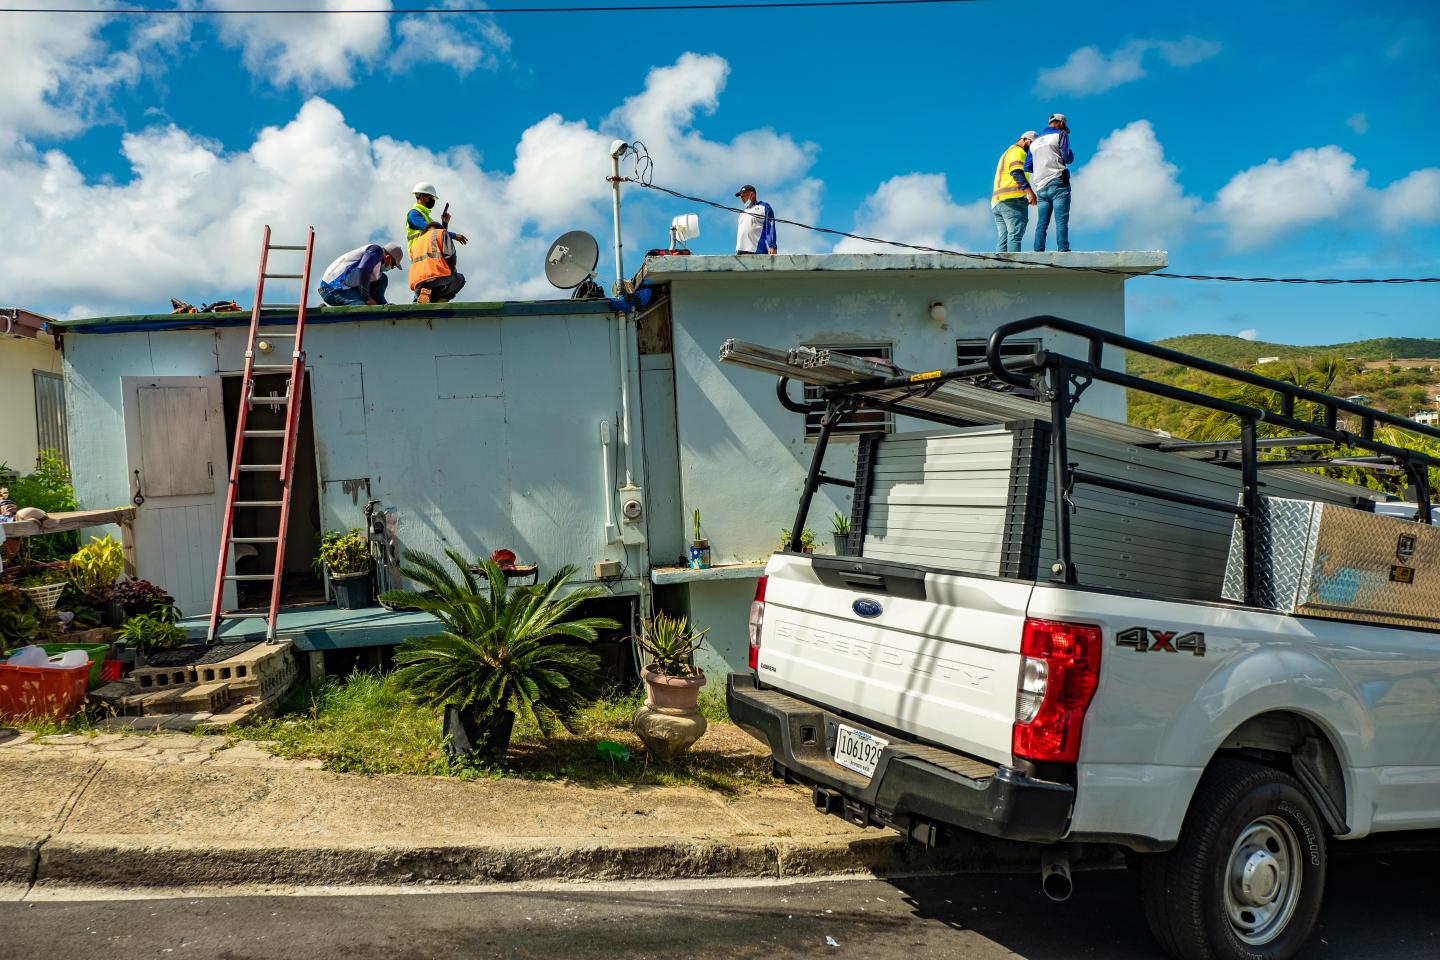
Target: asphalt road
1378, 907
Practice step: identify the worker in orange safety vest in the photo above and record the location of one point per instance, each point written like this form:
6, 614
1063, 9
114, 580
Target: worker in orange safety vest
432, 248
432, 267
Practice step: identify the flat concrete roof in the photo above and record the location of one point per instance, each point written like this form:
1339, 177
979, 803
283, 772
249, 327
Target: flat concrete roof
323, 314
1125, 262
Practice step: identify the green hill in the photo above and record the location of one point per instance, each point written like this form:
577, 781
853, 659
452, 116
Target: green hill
1394, 388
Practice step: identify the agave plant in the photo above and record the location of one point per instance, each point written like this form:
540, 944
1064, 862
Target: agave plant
520, 649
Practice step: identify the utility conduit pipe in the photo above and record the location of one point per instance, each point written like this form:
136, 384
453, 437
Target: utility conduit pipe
607, 467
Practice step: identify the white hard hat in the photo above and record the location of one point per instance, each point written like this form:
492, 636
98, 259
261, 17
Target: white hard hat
426, 187
395, 252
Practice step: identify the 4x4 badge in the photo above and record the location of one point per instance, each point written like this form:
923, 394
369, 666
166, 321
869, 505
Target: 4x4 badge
1147, 638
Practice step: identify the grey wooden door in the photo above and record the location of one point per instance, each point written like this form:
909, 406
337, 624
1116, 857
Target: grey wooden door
175, 451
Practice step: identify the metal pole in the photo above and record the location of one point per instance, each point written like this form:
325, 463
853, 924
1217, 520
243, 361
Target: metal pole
617, 150
833, 412
1064, 568
1250, 500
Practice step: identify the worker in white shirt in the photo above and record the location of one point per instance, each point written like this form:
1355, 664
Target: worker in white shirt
756, 233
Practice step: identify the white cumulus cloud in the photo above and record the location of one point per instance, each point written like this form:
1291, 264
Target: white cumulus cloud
186, 219
917, 208
663, 115
1249, 334
1089, 71
60, 69
311, 51
1279, 196
1131, 187
463, 42
1413, 199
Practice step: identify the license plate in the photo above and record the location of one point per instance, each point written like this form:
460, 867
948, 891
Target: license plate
857, 750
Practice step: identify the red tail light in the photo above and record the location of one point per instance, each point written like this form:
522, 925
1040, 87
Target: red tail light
757, 620
1059, 672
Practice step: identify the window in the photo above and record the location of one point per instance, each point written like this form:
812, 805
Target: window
973, 351
860, 421
50, 414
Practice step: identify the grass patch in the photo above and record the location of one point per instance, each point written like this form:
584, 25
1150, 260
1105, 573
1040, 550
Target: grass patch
366, 725
46, 727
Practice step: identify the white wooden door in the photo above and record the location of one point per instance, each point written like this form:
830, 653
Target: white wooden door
175, 448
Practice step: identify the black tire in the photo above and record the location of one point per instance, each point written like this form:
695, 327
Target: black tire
1194, 908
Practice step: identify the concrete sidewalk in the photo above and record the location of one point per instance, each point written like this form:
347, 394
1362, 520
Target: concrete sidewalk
183, 811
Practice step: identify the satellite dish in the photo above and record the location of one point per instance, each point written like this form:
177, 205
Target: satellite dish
684, 227
572, 259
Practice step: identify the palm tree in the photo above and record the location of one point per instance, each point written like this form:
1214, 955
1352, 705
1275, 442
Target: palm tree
504, 651
1319, 375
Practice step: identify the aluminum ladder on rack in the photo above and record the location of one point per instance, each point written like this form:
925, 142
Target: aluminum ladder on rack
284, 463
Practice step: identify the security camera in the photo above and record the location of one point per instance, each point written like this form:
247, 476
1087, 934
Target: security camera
618, 148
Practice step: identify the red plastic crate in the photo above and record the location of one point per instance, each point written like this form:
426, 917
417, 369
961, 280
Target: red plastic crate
53, 692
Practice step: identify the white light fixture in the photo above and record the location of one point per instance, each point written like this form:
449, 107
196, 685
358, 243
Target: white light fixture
264, 346
938, 312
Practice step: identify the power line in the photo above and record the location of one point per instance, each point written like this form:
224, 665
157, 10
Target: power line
644, 182
608, 8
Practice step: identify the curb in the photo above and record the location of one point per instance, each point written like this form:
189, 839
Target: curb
153, 862
19, 857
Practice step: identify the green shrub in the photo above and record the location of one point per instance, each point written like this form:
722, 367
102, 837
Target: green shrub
149, 633
49, 489
514, 649
344, 553
96, 566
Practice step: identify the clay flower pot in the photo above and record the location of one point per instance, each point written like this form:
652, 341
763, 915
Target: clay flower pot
669, 722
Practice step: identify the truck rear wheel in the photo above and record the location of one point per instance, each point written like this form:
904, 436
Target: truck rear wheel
1246, 880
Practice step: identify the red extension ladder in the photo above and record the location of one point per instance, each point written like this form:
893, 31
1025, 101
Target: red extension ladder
284, 464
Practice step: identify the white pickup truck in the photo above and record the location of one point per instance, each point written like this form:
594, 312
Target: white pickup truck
1225, 743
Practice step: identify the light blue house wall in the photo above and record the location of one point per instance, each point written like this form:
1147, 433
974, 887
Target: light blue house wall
481, 430
742, 457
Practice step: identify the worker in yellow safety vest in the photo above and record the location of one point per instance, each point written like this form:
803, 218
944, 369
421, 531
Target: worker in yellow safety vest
1011, 198
418, 219
432, 252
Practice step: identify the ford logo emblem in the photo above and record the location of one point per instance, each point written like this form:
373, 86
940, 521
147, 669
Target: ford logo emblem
867, 608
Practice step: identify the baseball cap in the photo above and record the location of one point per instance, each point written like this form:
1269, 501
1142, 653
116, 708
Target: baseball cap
1056, 116
745, 188
1028, 135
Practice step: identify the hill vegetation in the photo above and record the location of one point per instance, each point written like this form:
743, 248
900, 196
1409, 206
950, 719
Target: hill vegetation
1395, 388
1383, 371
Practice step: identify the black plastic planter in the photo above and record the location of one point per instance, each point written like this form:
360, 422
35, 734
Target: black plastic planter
353, 591
478, 740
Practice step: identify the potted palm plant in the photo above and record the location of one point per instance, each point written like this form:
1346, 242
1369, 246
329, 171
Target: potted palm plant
845, 544
669, 721
504, 651
345, 558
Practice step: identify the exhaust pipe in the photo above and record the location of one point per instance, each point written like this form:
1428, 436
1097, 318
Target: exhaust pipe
1055, 873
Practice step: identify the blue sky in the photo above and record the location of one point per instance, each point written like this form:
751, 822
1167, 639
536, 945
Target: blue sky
1266, 139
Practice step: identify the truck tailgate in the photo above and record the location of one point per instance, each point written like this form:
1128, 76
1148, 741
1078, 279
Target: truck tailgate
933, 655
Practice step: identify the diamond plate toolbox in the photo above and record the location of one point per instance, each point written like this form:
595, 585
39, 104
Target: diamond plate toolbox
1325, 560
